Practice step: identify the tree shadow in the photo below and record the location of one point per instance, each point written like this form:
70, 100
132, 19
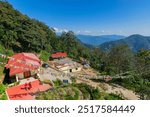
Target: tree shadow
7, 77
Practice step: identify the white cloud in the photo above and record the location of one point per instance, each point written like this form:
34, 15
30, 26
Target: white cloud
60, 30
56, 29
78, 31
87, 31
64, 30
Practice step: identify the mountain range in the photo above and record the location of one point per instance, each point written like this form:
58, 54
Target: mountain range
135, 42
97, 40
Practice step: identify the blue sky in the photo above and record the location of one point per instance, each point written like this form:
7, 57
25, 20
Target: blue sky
94, 17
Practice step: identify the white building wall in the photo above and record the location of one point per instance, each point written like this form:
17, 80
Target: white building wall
20, 75
68, 69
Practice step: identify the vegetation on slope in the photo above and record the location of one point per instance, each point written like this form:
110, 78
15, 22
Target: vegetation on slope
76, 92
2, 92
21, 33
139, 79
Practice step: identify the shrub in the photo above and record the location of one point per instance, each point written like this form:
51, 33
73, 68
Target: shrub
44, 56
2, 88
58, 83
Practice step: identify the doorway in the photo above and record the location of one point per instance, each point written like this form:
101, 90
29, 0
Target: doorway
27, 74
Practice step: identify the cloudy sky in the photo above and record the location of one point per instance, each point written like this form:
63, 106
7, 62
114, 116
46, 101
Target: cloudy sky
93, 17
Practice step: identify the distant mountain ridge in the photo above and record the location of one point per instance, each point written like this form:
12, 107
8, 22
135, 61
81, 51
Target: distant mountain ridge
135, 42
97, 40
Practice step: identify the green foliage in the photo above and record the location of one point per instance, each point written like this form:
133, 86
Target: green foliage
58, 83
120, 59
9, 52
6, 51
72, 46
85, 89
65, 93
95, 95
2, 49
44, 56
96, 58
20, 33
112, 97
1, 71
2, 88
2, 92
73, 79
137, 83
3, 97
75, 96
76, 92
46, 82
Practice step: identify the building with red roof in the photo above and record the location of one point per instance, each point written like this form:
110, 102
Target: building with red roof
27, 91
59, 55
23, 65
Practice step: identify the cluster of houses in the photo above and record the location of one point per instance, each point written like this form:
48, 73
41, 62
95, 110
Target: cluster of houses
24, 68
23, 72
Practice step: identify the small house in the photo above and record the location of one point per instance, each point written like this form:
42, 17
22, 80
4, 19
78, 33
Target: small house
67, 65
22, 66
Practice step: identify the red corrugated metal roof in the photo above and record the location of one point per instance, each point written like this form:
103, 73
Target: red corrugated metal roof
59, 54
20, 92
22, 62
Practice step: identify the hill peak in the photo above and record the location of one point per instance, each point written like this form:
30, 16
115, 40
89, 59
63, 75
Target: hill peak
135, 42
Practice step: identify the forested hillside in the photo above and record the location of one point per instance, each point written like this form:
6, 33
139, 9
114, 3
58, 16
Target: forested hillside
21, 33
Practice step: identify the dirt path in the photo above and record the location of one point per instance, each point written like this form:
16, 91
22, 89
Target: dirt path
127, 94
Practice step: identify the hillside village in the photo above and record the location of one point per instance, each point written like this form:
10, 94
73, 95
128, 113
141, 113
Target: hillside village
27, 75
37, 63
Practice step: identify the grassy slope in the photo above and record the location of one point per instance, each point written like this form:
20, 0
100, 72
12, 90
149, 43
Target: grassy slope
76, 92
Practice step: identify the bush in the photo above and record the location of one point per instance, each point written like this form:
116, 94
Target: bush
9, 52
2, 88
44, 56
95, 95
58, 83
2, 49
2, 92
113, 97
3, 97
6, 51
73, 79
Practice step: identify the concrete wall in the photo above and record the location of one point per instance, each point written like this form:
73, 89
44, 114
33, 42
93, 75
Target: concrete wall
76, 69
69, 70
21, 75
